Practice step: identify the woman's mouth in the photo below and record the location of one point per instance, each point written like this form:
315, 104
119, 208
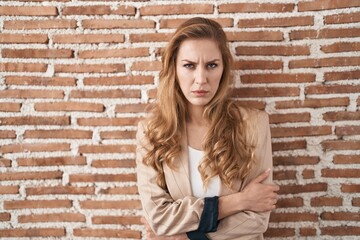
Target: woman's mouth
200, 93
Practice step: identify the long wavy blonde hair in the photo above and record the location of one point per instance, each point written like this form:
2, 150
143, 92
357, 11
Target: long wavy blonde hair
228, 147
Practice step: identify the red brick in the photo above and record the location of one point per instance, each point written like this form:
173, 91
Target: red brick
122, 80
89, 68
103, 178
279, 232
117, 135
276, 22
66, 134
131, 108
323, 89
347, 130
52, 161
300, 131
258, 64
290, 202
32, 232
5, 163
308, 231
55, 217
7, 134
340, 231
341, 47
356, 202
350, 188
70, 106
273, 50
340, 216
40, 81
115, 53
325, 62
317, 5
120, 190
28, 11
289, 145
18, 121
9, 190
308, 173
108, 121
341, 116
117, 24
346, 159
314, 103
56, 190
284, 175
40, 24
86, 10
106, 148
175, 23
326, 201
10, 107
342, 18
88, 38
37, 53
34, 147
290, 117
26, 204
255, 7
150, 37
124, 10
324, 33
341, 145
23, 38
152, 93
23, 67
120, 204
116, 220
294, 217
311, 187
124, 163
295, 160
246, 92
4, 217
146, 66
334, 76
259, 36
340, 173
105, 94
176, 9
22, 93
107, 233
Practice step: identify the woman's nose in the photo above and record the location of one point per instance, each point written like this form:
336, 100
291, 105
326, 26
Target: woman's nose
200, 76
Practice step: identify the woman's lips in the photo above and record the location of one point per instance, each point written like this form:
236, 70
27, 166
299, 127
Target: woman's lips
200, 93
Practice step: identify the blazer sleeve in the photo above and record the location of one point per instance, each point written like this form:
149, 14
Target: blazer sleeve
248, 224
164, 215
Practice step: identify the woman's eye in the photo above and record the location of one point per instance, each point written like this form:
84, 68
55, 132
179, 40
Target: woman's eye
212, 65
188, 65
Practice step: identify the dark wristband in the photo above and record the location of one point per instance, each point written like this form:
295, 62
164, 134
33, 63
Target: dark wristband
208, 219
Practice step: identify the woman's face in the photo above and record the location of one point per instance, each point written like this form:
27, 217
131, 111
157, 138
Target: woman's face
199, 67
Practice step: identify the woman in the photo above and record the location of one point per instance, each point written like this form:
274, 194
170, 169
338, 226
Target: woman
203, 162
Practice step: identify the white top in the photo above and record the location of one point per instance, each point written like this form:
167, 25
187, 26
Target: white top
195, 157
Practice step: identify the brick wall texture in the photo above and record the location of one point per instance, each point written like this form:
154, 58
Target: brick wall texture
76, 76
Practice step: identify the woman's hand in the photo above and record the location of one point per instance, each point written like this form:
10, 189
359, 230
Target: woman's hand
150, 235
260, 197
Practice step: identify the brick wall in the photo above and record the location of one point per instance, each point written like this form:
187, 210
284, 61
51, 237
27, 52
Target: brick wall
76, 76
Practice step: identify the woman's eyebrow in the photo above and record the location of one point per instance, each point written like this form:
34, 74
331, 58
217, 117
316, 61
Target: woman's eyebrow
187, 60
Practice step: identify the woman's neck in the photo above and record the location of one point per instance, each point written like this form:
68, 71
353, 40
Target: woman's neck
196, 115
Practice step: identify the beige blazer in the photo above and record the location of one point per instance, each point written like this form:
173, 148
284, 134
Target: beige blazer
177, 211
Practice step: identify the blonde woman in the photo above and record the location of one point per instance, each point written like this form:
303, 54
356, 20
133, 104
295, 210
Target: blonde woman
203, 162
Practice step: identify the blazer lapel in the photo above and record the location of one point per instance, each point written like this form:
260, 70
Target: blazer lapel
178, 180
